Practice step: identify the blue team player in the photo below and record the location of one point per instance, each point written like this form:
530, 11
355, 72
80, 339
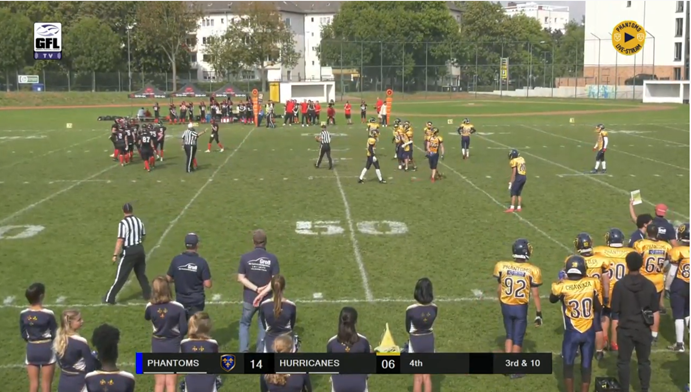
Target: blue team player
199, 342
679, 289
109, 378
277, 315
579, 296
348, 341
169, 319
38, 328
73, 353
419, 320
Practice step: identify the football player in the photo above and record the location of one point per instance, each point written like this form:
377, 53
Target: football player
372, 125
435, 145
679, 290
601, 148
409, 154
214, 136
517, 181
428, 133
580, 299
147, 148
597, 267
615, 252
394, 133
465, 130
372, 158
517, 280
655, 254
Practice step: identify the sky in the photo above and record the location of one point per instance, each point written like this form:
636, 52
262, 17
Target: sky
576, 8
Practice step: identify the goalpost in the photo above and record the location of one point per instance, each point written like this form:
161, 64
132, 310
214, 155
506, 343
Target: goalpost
315, 91
665, 91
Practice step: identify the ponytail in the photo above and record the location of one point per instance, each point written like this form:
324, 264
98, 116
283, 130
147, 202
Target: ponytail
347, 334
278, 284
65, 331
282, 344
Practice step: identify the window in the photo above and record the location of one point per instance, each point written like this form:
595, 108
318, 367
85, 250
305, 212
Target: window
312, 62
247, 75
287, 22
314, 48
324, 20
222, 21
289, 75
677, 51
206, 58
680, 6
204, 40
677, 73
311, 20
546, 19
212, 22
312, 34
679, 27
628, 4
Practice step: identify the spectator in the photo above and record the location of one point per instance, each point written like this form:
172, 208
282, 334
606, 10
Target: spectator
642, 222
255, 272
285, 382
347, 340
635, 300
191, 275
276, 315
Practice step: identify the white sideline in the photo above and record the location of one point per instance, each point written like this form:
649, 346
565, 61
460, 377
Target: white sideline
593, 178
656, 139
189, 204
614, 150
503, 205
51, 152
353, 240
61, 191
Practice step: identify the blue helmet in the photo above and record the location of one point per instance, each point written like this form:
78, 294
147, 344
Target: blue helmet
683, 232
614, 237
583, 243
522, 249
575, 265
513, 154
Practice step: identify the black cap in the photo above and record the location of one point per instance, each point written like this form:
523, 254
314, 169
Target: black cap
191, 240
127, 208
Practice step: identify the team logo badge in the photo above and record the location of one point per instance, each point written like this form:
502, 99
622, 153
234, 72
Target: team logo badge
228, 362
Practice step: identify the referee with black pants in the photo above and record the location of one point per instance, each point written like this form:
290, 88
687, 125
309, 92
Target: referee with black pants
130, 255
324, 139
189, 143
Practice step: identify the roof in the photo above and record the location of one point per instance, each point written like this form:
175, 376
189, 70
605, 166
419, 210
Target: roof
296, 7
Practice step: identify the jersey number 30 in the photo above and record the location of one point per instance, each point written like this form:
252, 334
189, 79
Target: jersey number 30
514, 288
581, 309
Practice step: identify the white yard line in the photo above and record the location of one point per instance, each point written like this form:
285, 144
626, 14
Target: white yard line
674, 128
51, 152
613, 150
52, 195
656, 139
353, 240
590, 177
503, 205
189, 204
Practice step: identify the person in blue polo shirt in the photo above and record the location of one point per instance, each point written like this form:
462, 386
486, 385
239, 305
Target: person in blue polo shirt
642, 222
254, 274
191, 275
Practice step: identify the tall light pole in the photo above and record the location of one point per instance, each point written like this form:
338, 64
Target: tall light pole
129, 60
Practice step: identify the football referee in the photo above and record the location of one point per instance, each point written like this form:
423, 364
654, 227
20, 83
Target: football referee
130, 253
324, 139
189, 143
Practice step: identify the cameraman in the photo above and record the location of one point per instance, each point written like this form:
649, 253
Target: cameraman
636, 302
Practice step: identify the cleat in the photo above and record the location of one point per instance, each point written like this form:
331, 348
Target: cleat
599, 355
594, 171
382, 181
509, 210
207, 151
613, 347
222, 150
518, 209
360, 181
677, 347
654, 340
603, 171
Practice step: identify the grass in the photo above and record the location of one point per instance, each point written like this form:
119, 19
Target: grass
62, 180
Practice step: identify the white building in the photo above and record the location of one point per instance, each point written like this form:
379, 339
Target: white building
666, 47
550, 16
305, 18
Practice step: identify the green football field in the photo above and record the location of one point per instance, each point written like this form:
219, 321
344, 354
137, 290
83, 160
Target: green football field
339, 243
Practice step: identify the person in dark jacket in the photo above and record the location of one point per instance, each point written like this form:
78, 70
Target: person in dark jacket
636, 302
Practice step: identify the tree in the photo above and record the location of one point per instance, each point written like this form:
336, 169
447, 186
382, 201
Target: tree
169, 26
568, 55
15, 47
257, 38
92, 46
223, 60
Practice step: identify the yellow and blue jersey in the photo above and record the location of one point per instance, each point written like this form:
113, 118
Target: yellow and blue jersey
516, 280
518, 163
580, 301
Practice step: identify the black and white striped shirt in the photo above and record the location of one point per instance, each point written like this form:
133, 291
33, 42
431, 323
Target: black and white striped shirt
189, 138
131, 230
326, 137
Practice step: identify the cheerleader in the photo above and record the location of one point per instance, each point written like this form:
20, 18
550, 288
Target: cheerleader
199, 340
348, 341
106, 338
73, 353
170, 325
277, 315
419, 319
285, 382
38, 328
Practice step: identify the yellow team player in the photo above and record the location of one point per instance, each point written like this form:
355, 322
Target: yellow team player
615, 252
372, 125
655, 253
411, 145
428, 133
398, 141
435, 145
597, 267
372, 158
601, 148
679, 290
394, 133
517, 181
581, 302
465, 130
517, 280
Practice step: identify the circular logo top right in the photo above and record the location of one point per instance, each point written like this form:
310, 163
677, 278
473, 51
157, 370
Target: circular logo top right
628, 37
